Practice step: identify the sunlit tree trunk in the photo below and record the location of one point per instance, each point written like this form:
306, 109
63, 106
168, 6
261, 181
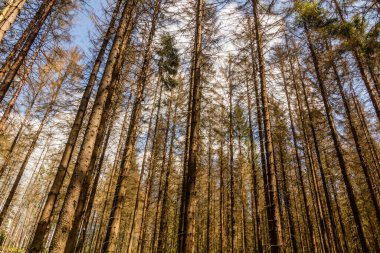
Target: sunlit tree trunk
273, 209
109, 243
7, 19
186, 241
31, 148
45, 218
13, 63
337, 143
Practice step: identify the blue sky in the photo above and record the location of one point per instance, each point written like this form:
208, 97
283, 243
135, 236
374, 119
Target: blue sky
82, 23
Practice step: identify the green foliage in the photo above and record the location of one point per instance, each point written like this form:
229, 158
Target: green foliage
168, 61
352, 33
312, 14
2, 238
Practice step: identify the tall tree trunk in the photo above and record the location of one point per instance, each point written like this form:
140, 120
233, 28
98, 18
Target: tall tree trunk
221, 194
113, 173
23, 80
109, 243
320, 214
337, 144
11, 66
256, 217
299, 172
364, 125
243, 202
162, 172
162, 241
10, 17
45, 218
359, 150
142, 172
209, 165
287, 202
187, 239
81, 169
94, 187
231, 159
273, 209
10, 153
103, 131
31, 149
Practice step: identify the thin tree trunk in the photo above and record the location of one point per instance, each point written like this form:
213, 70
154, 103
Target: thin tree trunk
221, 196
21, 83
10, 18
162, 172
163, 230
256, 217
299, 172
359, 150
81, 169
287, 202
142, 172
94, 187
273, 209
30, 150
187, 239
337, 145
320, 214
209, 165
105, 127
11, 66
45, 218
109, 244
242, 190
231, 161
19, 132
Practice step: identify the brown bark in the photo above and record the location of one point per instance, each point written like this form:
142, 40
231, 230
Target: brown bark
19, 132
113, 173
142, 172
45, 218
187, 239
255, 212
21, 83
231, 160
105, 126
337, 144
109, 244
81, 169
299, 172
11, 66
10, 17
209, 165
162, 172
162, 235
359, 149
31, 149
243, 200
273, 209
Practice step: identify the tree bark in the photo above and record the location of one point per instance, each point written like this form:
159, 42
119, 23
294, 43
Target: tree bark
45, 218
81, 169
187, 239
273, 209
109, 244
337, 144
10, 17
162, 241
30, 150
11, 66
